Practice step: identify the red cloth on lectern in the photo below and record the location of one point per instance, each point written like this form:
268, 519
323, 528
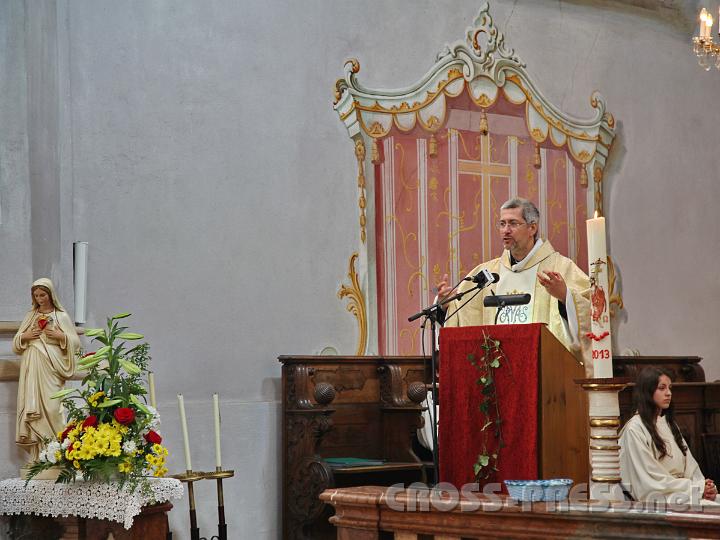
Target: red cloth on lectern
459, 436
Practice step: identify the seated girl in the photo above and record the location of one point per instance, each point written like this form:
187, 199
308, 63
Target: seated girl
655, 462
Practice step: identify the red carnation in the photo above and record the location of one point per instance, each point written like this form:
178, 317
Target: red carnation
90, 421
124, 415
153, 438
67, 430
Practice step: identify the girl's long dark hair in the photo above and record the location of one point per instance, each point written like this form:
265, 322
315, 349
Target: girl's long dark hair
645, 386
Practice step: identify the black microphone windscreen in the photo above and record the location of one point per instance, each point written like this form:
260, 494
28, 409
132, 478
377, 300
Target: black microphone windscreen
506, 300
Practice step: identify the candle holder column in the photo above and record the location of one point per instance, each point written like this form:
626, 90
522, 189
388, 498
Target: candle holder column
219, 475
604, 447
604, 410
190, 477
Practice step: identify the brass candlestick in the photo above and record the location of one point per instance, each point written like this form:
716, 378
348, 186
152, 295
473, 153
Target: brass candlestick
218, 475
190, 477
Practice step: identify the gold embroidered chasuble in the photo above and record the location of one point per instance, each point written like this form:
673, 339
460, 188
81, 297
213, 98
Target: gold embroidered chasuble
572, 334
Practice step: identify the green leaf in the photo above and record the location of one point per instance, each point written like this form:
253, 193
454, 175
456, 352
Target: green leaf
103, 350
131, 368
476, 469
495, 364
86, 360
130, 335
497, 343
92, 332
89, 365
483, 460
483, 380
109, 403
62, 393
121, 315
140, 405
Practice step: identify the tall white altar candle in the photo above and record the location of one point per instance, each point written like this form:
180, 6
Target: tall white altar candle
80, 265
186, 440
599, 300
151, 387
216, 414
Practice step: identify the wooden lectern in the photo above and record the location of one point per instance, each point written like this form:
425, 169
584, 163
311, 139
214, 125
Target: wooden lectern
544, 413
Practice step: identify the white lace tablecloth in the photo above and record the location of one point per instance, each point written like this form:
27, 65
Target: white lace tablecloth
84, 499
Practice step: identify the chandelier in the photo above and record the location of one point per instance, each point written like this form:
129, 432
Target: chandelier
707, 52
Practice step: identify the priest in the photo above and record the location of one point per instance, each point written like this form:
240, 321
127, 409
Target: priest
560, 291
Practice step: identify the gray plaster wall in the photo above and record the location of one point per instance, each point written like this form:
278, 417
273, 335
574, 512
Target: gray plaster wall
194, 146
15, 239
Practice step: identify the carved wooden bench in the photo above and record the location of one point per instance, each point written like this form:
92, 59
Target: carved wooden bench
347, 421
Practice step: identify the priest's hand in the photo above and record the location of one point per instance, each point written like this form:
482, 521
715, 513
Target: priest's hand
710, 492
554, 284
443, 289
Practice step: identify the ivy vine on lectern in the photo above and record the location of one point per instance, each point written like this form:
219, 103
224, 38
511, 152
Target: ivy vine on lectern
491, 359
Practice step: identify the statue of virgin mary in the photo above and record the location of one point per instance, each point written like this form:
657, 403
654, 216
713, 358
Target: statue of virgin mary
47, 343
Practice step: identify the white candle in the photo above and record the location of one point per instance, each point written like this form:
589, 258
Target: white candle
151, 386
599, 301
186, 440
216, 413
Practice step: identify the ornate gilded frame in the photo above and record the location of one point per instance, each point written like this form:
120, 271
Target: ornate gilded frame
484, 66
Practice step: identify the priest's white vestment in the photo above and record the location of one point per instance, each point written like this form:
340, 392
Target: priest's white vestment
522, 278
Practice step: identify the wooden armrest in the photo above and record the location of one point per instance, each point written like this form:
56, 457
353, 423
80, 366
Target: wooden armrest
407, 466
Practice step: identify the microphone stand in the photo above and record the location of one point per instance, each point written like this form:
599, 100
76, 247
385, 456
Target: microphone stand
500, 307
431, 313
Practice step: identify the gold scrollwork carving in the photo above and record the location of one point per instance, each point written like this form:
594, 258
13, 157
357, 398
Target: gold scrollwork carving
610, 119
432, 148
616, 299
356, 303
583, 175
338, 92
537, 158
362, 201
355, 65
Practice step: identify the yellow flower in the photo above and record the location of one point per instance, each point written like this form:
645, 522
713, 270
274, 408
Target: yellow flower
125, 467
119, 427
76, 464
93, 400
159, 449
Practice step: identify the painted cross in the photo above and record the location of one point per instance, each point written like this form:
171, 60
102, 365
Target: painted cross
486, 169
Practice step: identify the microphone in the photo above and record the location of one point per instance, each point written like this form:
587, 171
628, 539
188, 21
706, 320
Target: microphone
484, 278
507, 300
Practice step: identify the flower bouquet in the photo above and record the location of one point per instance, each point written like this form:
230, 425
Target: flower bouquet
111, 432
